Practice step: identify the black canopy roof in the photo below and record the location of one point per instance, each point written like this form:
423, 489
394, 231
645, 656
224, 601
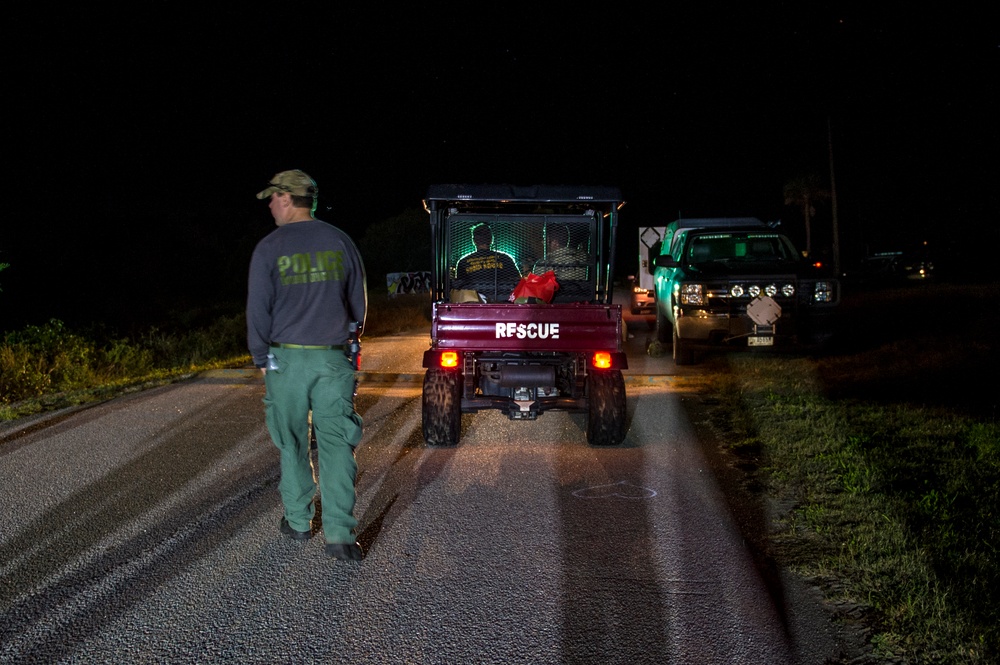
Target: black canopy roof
525, 194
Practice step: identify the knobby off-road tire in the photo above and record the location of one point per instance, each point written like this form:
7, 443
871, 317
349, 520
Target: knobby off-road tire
606, 414
442, 407
683, 354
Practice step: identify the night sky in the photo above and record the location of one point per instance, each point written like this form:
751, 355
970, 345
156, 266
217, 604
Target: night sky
139, 136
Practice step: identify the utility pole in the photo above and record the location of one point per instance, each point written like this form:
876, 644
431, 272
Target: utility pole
833, 199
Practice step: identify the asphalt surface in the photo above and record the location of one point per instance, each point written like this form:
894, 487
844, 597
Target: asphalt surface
145, 530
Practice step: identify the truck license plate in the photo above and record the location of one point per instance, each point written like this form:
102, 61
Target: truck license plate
757, 340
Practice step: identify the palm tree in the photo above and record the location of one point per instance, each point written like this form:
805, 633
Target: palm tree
804, 192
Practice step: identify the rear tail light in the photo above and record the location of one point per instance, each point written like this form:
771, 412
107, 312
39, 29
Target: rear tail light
449, 359
602, 360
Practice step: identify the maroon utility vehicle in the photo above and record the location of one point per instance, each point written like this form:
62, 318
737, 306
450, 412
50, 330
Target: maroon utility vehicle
526, 357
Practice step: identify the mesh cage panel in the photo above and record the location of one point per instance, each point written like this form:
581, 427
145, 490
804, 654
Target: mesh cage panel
521, 244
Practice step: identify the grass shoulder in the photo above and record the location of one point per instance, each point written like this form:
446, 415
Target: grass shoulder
880, 464
51, 366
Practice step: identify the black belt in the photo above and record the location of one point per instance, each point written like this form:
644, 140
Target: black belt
312, 347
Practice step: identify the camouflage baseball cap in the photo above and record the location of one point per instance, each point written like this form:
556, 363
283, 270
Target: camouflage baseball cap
294, 182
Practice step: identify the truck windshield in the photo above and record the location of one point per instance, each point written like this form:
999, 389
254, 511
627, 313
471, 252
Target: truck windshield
751, 247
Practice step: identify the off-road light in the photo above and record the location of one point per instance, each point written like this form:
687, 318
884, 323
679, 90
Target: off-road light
449, 359
736, 290
771, 290
788, 290
602, 360
754, 291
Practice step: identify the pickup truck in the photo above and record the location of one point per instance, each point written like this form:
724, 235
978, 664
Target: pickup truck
737, 283
523, 356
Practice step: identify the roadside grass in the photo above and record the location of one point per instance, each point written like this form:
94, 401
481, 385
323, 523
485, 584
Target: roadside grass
50, 366
882, 462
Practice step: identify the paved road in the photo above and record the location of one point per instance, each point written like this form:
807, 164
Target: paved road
144, 530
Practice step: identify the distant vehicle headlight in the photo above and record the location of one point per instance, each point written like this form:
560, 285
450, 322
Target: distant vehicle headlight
691, 294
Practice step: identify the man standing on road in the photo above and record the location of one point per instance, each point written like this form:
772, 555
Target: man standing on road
306, 285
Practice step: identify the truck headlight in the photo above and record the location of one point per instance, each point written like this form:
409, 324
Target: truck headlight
823, 292
691, 294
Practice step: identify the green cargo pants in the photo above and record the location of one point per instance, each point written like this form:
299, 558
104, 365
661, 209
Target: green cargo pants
321, 381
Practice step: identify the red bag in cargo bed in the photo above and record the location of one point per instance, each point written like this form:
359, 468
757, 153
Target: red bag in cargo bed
535, 288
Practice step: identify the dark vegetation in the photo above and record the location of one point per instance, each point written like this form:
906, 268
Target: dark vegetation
51, 365
155, 316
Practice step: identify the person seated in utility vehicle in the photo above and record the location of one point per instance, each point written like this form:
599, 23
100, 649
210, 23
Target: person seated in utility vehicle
567, 261
486, 268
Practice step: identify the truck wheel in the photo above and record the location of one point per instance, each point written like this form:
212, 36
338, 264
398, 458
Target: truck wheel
442, 407
606, 408
663, 327
683, 354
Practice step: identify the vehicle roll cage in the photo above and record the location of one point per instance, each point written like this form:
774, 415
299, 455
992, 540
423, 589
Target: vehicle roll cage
593, 202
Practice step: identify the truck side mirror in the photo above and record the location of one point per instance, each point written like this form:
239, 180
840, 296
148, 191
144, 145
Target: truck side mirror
665, 261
